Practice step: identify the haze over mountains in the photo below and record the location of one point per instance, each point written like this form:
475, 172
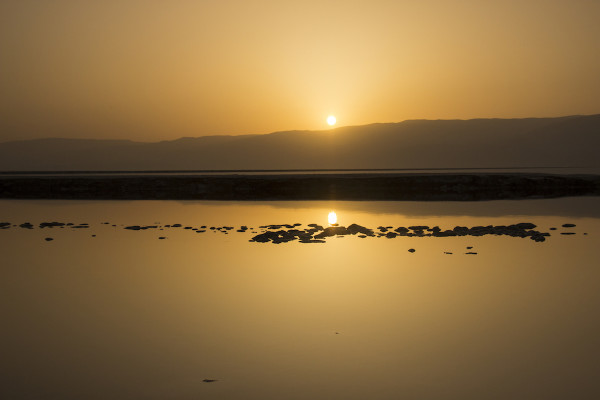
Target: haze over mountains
480, 143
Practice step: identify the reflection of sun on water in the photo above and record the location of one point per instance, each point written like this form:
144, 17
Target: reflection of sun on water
332, 218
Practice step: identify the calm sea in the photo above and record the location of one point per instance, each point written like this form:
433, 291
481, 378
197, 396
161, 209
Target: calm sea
104, 312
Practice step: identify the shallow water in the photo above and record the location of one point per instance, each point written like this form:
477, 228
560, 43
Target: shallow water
125, 315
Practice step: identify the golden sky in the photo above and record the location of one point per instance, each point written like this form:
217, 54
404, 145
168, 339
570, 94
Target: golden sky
159, 70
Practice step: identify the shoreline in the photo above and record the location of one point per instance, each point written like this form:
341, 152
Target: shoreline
359, 186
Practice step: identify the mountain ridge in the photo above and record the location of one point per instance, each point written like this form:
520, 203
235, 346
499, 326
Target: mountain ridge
482, 142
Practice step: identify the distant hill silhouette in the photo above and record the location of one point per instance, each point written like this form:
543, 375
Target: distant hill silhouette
477, 143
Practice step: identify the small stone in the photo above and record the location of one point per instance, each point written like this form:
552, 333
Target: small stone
411, 250
568, 225
49, 239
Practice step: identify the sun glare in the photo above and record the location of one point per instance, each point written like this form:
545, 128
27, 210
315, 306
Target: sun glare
332, 218
331, 120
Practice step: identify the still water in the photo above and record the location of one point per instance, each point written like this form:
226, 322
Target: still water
106, 312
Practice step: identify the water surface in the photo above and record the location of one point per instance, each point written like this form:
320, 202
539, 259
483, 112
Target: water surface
123, 314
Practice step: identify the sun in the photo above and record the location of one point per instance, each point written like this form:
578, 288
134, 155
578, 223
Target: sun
332, 218
331, 120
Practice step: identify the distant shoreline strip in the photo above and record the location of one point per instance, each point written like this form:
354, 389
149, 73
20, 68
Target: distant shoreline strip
274, 171
327, 186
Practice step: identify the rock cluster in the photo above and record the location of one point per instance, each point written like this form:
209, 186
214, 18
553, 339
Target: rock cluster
315, 233
522, 230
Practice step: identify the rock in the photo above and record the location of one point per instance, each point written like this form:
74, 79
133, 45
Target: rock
161, 238
552, 229
4, 225
354, 229
332, 231
51, 224
526, 225
469, 247
448, 252
411, 250
391, 235
402, 230
418, 227
567, 233
26, 225
49, 239
209, 380
470, 252
569, 225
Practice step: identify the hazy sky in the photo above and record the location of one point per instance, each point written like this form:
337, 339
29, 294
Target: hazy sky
154, 70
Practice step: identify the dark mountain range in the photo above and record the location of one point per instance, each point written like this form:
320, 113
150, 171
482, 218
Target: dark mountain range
479, 143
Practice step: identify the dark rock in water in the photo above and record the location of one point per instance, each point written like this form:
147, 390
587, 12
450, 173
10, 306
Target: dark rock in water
332, 231
4, 225
446, 233
526, 225
49, 239
391, 235
176, 226
51, 224
316, 226
134, 228
203, 227
411, 250
569, 225
469, 247
162, 238
312, 241
567, 233
402, 230
209, 380
188, 227
382, 228
470, 252
552, 229
418, 227
461, 230
362, 236
93, 235
200, 231
80, 227
354, 229
26, 225
448, 252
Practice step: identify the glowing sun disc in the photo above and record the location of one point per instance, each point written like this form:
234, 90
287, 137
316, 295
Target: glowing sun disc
331, 120
332, 218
